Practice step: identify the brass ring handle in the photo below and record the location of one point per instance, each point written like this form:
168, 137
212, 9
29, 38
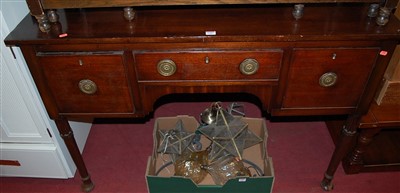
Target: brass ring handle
249, 66
166, 67
87, 86
328, 79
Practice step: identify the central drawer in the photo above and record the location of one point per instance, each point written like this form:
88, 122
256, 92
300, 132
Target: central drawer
209, 65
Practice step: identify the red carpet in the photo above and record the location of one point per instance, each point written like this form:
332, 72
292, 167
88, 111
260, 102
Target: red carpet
116, 156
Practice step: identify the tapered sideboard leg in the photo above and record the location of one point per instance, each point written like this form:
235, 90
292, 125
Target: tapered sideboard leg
348, 133
69, 140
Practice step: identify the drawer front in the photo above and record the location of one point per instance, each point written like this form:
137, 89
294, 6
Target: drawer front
328, 78
87, 82
210, 65
31, 160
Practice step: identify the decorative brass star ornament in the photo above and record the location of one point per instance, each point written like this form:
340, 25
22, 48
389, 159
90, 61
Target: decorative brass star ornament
175, 140
229, 135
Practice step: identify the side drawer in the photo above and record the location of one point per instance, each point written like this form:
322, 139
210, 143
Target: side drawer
328, 78
87, 82
209, 65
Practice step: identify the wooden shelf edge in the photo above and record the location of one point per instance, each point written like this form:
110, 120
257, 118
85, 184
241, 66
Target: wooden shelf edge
58, 4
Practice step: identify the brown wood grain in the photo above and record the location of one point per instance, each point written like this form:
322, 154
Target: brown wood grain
287, 83
256, 24
308, 65
64, 70
222, 65
56, 4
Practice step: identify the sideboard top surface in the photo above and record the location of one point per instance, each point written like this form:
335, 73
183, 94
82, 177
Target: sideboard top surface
190, 24
57, 4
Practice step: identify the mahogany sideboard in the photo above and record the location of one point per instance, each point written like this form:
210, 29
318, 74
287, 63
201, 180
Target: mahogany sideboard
93, 63
376, 147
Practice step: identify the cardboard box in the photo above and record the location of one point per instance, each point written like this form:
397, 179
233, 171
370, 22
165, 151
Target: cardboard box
165, 182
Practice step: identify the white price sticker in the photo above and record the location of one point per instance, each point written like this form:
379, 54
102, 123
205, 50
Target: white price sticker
211, 33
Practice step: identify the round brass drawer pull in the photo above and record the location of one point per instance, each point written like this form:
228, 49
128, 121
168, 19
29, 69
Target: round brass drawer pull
87, 86
249, 66
328, 79
166, 67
